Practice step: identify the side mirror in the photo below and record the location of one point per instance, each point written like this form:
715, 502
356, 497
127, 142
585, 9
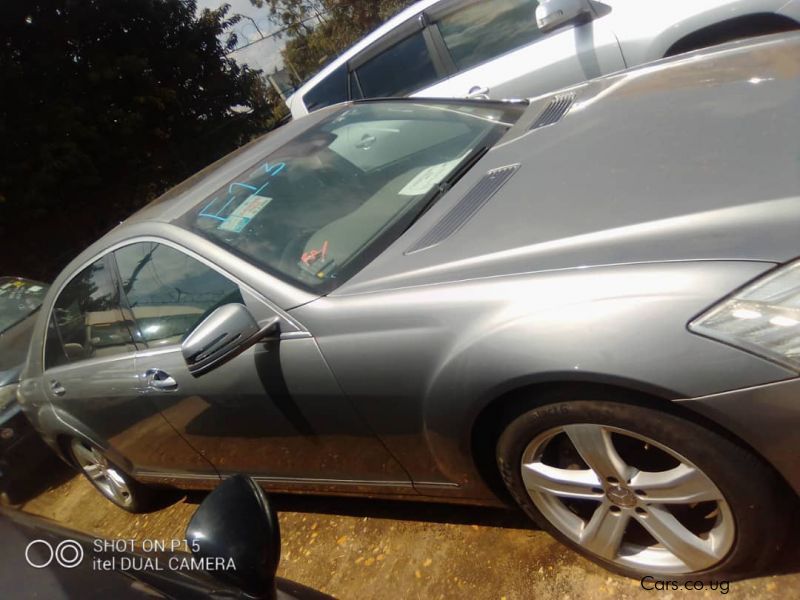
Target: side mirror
552, 14
236, 524
73, 351
222, 336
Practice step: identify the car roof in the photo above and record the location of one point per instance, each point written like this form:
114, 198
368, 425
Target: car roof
362, 44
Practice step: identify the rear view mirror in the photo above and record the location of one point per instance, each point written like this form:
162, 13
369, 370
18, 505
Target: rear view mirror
236, 523
73, 351
552, 14
223, 335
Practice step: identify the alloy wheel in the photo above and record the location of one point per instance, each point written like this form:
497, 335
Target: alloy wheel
628, 499
106, 477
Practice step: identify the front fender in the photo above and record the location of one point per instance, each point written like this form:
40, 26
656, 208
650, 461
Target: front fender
620, 325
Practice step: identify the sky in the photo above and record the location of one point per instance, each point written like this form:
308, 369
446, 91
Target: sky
264, 54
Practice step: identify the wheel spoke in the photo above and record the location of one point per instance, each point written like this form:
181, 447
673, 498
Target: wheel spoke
93, 471
566, 483
99, 458
83, 454
594, 444
603, 533
681, 485
695, 552
118, 486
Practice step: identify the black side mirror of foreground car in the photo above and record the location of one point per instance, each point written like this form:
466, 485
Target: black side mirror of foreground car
222, 336
235, 522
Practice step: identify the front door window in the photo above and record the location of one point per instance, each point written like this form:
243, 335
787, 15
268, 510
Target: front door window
405, 67
168, 292
484, 30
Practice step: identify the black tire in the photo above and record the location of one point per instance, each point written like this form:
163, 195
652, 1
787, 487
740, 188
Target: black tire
139, 498
757, 498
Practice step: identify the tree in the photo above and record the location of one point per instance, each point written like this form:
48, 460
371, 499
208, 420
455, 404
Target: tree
104, 104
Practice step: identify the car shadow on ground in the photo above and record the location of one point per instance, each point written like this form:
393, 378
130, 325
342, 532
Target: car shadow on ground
454, 514
397, 510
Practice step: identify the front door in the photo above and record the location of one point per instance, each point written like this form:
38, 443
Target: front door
499, 52
275, 411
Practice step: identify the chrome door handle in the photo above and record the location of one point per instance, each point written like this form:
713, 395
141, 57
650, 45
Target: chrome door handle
478, 92
156, 379
57, 388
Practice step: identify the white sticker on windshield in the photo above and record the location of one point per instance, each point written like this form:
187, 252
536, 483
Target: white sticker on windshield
244, 213
427, 178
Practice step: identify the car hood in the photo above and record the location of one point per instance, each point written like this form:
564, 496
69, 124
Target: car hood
695, 158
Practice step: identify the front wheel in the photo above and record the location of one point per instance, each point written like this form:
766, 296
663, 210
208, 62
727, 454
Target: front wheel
643, 492
110, 480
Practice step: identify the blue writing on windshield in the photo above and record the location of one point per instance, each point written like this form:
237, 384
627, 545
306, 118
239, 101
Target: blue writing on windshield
209, 212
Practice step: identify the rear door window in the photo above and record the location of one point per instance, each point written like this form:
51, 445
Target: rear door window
399, 70
87, 321
483, 30
331, 90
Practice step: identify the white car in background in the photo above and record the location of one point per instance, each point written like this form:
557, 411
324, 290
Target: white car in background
523, 48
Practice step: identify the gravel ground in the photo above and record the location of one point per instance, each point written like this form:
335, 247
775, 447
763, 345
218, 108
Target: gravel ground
353, 548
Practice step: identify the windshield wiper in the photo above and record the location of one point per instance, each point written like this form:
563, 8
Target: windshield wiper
439, 190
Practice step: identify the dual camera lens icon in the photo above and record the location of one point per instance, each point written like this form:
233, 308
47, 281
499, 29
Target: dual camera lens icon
67, 554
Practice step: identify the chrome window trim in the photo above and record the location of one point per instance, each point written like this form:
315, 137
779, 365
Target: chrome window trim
322, 481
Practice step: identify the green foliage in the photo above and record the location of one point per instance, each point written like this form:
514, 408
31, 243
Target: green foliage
343, 22
104, 104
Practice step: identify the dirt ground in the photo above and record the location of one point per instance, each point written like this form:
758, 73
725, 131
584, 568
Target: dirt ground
355, 549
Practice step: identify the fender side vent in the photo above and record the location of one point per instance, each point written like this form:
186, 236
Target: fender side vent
462, 212
554, 111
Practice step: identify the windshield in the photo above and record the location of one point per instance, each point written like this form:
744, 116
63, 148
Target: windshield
318, 209
19, 298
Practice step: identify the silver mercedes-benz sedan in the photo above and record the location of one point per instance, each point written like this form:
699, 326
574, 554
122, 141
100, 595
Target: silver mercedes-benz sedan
585, 304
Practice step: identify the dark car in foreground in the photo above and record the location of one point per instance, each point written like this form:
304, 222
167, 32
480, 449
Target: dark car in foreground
21, 448
587, 304
231, 549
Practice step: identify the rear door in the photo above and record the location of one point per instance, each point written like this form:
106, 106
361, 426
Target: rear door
90, 377
497, 50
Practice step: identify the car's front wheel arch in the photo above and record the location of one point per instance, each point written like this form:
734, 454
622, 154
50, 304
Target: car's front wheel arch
503, 409
646, 416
